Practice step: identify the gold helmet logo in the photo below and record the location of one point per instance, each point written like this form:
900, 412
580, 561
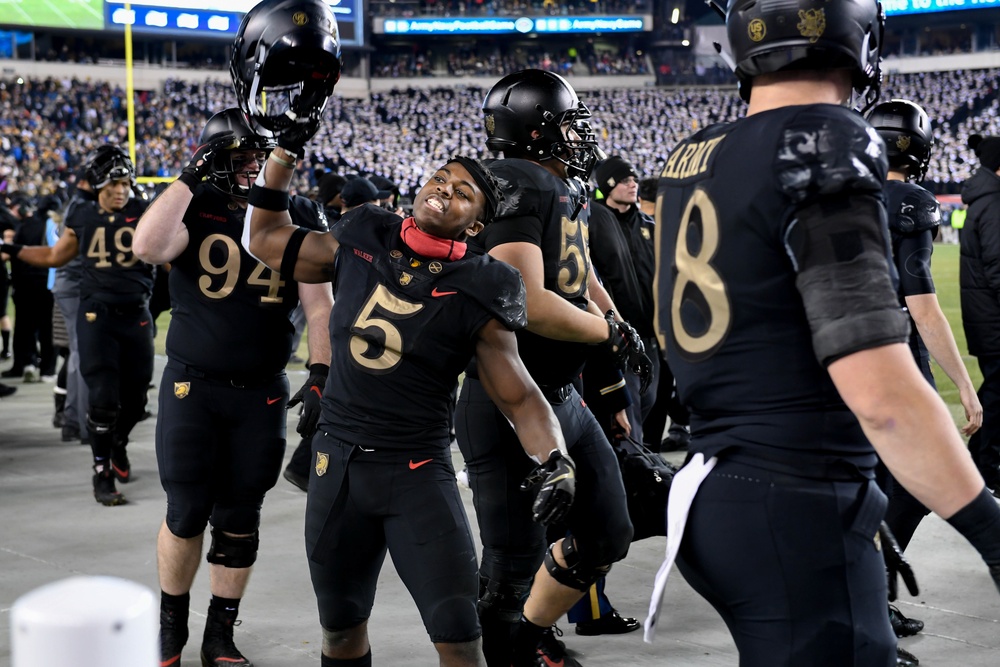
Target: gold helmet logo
300, 18
405, 278
491, 124
756, 30
322, 463
415, 263
902, 142
812, 23
182, 389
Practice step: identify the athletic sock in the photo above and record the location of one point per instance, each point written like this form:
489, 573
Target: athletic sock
363, 661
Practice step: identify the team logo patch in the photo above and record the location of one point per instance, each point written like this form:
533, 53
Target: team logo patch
491, 124
756, 30
233, 206
395, 254
414, 263
111, 218
812, 23
645, 233
435, 267
878, 541
90, 317
300, 18
322, 463
405, 278
182, 389
902, 142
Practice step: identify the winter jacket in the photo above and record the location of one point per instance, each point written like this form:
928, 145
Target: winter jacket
979, 272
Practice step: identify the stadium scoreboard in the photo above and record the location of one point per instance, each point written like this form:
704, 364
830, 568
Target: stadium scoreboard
171, 18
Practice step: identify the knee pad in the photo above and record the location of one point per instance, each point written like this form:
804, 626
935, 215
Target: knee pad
501, 600
577, 574
235, 552
102, 420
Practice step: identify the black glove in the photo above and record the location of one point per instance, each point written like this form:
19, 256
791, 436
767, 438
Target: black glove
294, 139
895, 563
201, 162
11, 249
309, 396
557, 479
628, 350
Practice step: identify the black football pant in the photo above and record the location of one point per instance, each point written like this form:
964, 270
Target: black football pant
985, 443
666, 405
33, 327
792, 566
513, 544
116, 361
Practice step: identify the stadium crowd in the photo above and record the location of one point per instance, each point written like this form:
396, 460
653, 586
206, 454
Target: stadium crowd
47, 126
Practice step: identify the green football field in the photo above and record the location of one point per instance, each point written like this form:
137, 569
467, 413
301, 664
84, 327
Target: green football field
80, 14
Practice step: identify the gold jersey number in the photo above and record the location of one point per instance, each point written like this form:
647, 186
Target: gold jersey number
375, 319
573, 260
122, 248
696, 271
230, 271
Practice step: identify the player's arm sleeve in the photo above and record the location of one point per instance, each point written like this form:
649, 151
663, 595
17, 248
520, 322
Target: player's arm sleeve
831, 166
913, 258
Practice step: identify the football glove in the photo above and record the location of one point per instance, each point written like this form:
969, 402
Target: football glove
201, 162
309, 396
896, 564
628, 350
294, 139
556, 479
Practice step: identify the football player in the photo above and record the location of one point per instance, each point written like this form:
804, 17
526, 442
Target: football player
220, 435
542, 128
114, 331
914, 217
781, 324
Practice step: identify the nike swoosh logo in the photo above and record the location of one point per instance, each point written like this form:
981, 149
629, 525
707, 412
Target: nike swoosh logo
131, 219
143, 323
436, 292
316, 389
414, 466
272, 401
122, 473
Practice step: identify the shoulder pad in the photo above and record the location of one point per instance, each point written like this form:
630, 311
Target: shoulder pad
500, 291
519, 185
918, 211
307, 213
826, 150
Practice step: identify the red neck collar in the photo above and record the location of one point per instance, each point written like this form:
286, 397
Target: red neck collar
431, 247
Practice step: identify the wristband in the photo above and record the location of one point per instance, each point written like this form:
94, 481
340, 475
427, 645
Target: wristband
11, 248
979, 522
319, 369
284, 163
189, 179
268, 199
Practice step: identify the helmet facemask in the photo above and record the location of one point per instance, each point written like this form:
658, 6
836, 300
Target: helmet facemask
229, 165
578, 151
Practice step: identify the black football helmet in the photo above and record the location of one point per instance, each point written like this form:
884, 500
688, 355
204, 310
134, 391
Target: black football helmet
769, 37
906, 130
285, 63
108, 163
534, 99
224, 170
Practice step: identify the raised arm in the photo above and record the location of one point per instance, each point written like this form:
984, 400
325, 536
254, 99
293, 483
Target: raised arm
269, 229
161, 235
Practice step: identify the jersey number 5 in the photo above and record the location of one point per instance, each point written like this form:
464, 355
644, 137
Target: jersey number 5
374, 322
231, 270
698, 287
573, 262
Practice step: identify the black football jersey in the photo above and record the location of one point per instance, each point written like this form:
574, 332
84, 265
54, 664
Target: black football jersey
914, 218
111, 272
230, 311
553, 214
403, 328
729, 314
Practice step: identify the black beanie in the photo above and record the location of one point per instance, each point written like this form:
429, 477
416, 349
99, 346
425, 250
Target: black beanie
987, 150
611, 172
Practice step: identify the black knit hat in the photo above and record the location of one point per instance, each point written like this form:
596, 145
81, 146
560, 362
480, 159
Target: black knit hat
987, 150
611, 172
